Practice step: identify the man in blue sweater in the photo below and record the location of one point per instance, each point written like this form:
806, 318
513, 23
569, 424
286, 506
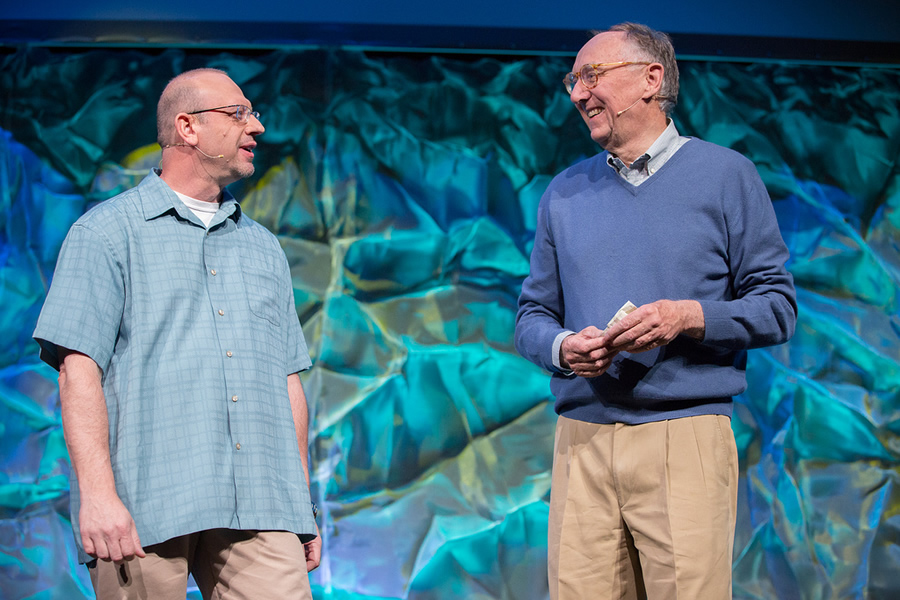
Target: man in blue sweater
645, 469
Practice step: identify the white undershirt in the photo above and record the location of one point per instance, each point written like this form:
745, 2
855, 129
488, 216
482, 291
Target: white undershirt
205, 211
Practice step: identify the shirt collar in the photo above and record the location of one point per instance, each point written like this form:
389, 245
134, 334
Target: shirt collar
159, 199
656, 154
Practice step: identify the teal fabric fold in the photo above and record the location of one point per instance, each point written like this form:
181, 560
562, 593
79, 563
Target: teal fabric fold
403, 189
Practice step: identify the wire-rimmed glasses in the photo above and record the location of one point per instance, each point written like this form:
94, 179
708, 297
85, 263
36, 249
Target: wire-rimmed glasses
590, 73
241, 113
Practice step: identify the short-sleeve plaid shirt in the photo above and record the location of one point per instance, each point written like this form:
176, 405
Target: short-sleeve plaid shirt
196, 331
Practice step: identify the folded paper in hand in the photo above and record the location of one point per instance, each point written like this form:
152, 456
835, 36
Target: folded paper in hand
628, 307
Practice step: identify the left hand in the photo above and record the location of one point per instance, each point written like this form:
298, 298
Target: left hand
656, 324
313, 551
585, 353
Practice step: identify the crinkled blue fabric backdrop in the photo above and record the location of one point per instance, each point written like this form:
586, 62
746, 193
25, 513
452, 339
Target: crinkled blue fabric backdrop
404, 191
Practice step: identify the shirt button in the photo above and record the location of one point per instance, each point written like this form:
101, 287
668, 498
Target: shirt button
221, 312
213, 271
228, 354
234, 398
238, 446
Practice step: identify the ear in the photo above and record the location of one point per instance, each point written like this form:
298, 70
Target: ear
654, 80
185, 129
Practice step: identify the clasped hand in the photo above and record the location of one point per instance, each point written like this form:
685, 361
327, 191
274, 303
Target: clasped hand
590, 352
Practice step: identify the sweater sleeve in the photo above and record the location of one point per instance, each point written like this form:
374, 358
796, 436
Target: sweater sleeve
541, 313
762, 310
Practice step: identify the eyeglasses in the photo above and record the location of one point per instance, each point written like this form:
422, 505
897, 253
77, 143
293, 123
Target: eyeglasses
590, 75
241, 113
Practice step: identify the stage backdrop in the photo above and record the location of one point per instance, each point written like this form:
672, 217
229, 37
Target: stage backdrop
404, 189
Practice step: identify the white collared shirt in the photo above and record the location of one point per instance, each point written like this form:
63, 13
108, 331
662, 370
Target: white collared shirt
668, 142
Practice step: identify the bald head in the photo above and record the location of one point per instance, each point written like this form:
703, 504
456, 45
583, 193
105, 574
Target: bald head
184, 93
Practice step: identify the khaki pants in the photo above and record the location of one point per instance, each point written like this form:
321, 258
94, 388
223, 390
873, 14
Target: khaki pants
226, 564
643, 511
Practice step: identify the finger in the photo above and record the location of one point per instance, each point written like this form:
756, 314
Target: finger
130, 545
598, 367
115, 550
581, 363
601, 354
136, 540
313, 555
646, 343
628, 322
583, 347
590, 371
587, 369
591, 332
101, 549
590, 353
599, 359
88, 545
126, 546
630, 340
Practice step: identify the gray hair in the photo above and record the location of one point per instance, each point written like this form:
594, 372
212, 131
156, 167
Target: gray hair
182, 94
655, 46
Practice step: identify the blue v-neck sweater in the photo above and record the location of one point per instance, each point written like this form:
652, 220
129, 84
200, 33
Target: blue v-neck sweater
701, 228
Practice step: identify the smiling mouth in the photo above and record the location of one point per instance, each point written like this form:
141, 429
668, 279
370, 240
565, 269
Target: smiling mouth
593, 112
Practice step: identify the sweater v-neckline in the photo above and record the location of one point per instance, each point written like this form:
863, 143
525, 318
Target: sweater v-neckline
634, 189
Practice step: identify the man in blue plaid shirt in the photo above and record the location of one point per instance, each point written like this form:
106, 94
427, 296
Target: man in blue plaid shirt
172, 322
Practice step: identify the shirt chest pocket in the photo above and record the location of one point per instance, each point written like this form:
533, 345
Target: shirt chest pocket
262, 292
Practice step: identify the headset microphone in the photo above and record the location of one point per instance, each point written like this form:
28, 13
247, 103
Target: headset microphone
197, 148
656, 97
207, 155
618, 114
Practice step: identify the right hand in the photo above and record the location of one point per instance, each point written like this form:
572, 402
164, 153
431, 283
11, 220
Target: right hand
107, 529
313, 551
586, 353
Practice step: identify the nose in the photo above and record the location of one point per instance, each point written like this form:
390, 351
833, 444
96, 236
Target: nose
579, 92
255, 126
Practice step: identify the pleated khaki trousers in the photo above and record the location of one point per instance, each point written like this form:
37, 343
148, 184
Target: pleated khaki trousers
643, 511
